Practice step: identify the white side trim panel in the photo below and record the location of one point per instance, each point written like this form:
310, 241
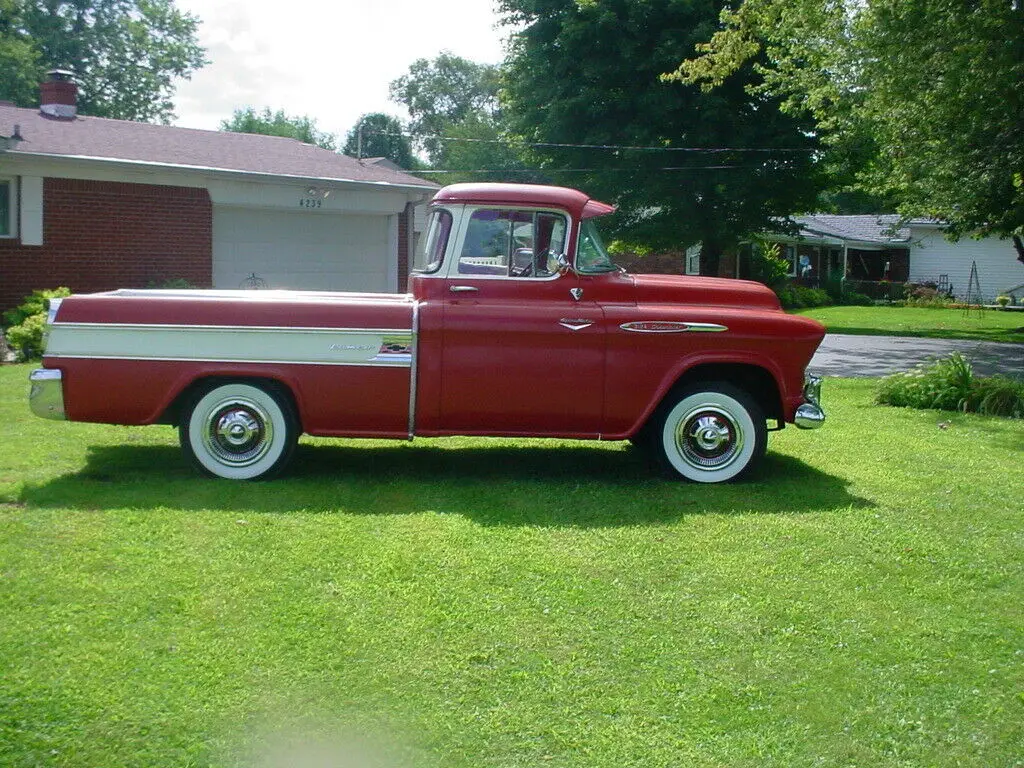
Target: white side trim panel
31, 224
320, 346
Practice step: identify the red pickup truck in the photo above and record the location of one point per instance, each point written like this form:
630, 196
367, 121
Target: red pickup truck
517, 324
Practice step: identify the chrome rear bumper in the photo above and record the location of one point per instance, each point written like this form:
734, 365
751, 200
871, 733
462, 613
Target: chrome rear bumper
46, 396
810, 415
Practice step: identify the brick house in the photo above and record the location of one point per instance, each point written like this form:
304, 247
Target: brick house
97, 204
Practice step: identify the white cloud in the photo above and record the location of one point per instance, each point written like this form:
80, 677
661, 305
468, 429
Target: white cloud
332, 61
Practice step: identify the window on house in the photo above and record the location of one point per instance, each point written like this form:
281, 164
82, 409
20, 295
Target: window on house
7, 199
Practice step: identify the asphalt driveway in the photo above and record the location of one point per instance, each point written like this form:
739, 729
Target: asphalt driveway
847, 355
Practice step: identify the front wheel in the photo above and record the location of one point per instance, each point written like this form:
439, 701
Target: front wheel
239, 431
711, 433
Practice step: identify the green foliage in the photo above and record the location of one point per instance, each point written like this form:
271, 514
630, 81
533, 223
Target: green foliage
26, 338
800, 297
924, 322
27, 322
126, 54
918, 99
852, 605
855, 299
950, 385
768, 265
382, 136
926, 295
268, 123
590, 74
443, 93
171, 282
33, 304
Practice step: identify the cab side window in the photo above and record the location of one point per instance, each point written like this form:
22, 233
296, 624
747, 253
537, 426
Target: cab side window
512, 243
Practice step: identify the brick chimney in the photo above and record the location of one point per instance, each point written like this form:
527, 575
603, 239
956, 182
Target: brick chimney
58, 95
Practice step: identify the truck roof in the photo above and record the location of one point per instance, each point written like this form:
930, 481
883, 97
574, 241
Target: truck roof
578, 204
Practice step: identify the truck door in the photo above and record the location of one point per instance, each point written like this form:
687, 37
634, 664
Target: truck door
523, 353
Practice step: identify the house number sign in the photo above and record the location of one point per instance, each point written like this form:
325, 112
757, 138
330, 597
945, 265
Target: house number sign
310, 202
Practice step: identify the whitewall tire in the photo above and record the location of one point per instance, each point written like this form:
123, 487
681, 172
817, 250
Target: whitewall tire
239, 431
711, 433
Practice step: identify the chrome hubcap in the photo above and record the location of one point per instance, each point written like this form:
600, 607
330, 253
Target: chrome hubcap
708, 438
238, 433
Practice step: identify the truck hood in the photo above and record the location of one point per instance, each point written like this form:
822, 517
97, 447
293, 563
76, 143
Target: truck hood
714, 291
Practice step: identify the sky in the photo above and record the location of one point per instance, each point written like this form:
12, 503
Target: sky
331, 60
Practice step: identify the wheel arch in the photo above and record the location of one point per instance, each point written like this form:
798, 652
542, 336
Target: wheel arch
172, 414
755, 379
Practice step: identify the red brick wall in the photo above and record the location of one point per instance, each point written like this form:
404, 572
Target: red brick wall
101, 235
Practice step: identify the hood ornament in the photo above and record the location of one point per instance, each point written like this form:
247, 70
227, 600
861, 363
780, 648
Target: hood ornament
577, 293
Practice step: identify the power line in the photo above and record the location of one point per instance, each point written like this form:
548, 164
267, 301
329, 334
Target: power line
553, 171
610, 147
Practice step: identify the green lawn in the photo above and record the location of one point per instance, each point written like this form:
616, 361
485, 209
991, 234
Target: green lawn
516, 603
988, 325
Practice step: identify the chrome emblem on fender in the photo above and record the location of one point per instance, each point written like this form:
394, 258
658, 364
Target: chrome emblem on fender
671, 326
577, 293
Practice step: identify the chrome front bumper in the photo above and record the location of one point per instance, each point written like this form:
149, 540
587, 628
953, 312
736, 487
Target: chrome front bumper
809, 415
46, 396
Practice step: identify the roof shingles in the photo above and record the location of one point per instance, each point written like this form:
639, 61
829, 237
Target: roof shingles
97, 137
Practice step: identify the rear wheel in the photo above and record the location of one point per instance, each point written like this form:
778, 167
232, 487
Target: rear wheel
239, 431
711, 433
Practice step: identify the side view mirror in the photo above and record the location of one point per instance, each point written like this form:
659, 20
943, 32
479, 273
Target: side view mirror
564, 265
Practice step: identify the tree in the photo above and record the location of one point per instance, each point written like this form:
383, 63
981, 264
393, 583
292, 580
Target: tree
442, 93
268, 123
934, 87
125, 54
382, 136
703, 166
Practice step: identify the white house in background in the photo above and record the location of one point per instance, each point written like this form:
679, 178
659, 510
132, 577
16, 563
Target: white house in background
932, 255
871, 248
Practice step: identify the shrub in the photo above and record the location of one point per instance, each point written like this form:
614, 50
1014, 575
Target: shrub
768, 265
950, 385
28, 322
798, 297
926, 295
172, 282
854, 299
33, 304
1003, 301
998, 396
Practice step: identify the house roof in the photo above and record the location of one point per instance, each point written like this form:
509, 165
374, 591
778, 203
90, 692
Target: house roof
880, 229
124, 140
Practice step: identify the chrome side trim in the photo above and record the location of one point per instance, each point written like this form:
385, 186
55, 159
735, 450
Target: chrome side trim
247, 361
232, 328
313, 346
671, 326
46, 393
52, 308
414, 367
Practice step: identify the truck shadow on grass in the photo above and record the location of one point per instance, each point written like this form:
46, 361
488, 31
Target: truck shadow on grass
558, 485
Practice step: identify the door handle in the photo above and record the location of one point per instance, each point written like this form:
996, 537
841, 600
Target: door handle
463, 289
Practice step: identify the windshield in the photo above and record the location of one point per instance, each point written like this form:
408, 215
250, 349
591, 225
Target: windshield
591, 255
430, 248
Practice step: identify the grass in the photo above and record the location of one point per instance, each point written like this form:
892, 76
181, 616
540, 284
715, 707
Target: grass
468, 602
935, 323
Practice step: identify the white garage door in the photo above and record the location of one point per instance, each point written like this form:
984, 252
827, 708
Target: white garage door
301, 250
